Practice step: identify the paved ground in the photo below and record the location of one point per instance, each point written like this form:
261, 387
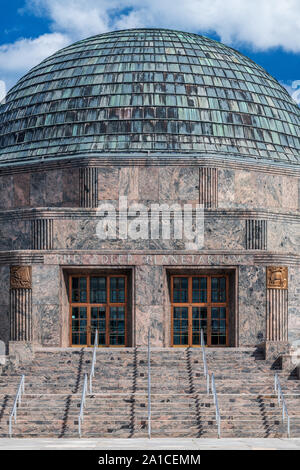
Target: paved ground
144, 444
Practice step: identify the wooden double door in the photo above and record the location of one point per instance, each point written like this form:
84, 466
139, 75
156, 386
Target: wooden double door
199, 302
98, 302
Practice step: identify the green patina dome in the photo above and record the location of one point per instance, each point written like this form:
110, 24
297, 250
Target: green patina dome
149, 90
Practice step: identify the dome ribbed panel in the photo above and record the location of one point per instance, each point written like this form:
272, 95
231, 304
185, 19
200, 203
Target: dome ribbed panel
153, 91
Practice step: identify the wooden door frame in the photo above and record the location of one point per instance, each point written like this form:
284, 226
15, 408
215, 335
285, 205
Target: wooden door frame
89, 305
209, 305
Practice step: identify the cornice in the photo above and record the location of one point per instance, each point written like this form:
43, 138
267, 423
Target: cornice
83, 213
139, 160
256, 257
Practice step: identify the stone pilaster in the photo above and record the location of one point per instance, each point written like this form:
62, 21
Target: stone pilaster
256, 234
277, 303
42, 234
20, 303
88, 187
208, 187
277, 313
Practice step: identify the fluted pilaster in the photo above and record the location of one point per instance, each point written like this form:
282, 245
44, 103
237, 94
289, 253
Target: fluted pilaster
256, 234
20, 303
208, 187
88, 187
277, 304
42, 234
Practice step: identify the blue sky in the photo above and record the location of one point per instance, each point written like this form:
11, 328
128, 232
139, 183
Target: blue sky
267, 31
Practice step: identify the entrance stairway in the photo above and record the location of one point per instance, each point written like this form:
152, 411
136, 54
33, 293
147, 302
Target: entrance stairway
180, 405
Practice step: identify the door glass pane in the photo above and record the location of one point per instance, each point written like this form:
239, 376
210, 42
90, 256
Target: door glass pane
218, 326
100, 311
199, 290
180, 289
117, 290
199, 321
98, 322
79, 289
218, 289
180, 326
117, 326
199, 303
79, 325
98, 290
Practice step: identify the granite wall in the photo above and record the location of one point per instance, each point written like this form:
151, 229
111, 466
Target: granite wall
234, 194
46, 305
294, 305
77, 231
149, 304
252, 305
53, 188
4, 304
237, 188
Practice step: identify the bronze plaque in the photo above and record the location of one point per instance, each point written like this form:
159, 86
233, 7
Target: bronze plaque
20, 277
277, 277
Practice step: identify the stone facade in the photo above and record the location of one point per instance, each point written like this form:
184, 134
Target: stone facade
59, 234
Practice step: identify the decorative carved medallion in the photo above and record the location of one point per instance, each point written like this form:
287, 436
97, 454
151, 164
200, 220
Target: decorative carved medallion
20, 277
277, 277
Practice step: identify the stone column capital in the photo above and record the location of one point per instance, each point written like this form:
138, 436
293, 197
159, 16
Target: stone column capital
277, 277
20, 277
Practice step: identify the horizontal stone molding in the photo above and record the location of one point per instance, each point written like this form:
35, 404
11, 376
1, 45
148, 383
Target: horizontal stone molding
77, 213
58, 256
276, 258
152, 159
20, 258
178, 258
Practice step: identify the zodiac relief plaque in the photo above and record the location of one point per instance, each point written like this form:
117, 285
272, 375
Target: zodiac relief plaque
20, 277
277, 277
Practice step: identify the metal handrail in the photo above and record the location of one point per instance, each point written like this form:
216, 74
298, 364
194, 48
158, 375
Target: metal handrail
149, 386
280, 397
205, 368
82, 404
17, 402
214, 392
92, 373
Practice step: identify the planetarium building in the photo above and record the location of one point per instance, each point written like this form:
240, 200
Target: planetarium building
147, 119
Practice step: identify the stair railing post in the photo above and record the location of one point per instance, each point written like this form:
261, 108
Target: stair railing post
149, 387
82, 404
281, 400
93, 361
17, 402
215, 398
205, 368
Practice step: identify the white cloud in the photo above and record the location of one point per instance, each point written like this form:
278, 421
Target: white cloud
25, 53
18, 57
2, 90
260, 24
294, 90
